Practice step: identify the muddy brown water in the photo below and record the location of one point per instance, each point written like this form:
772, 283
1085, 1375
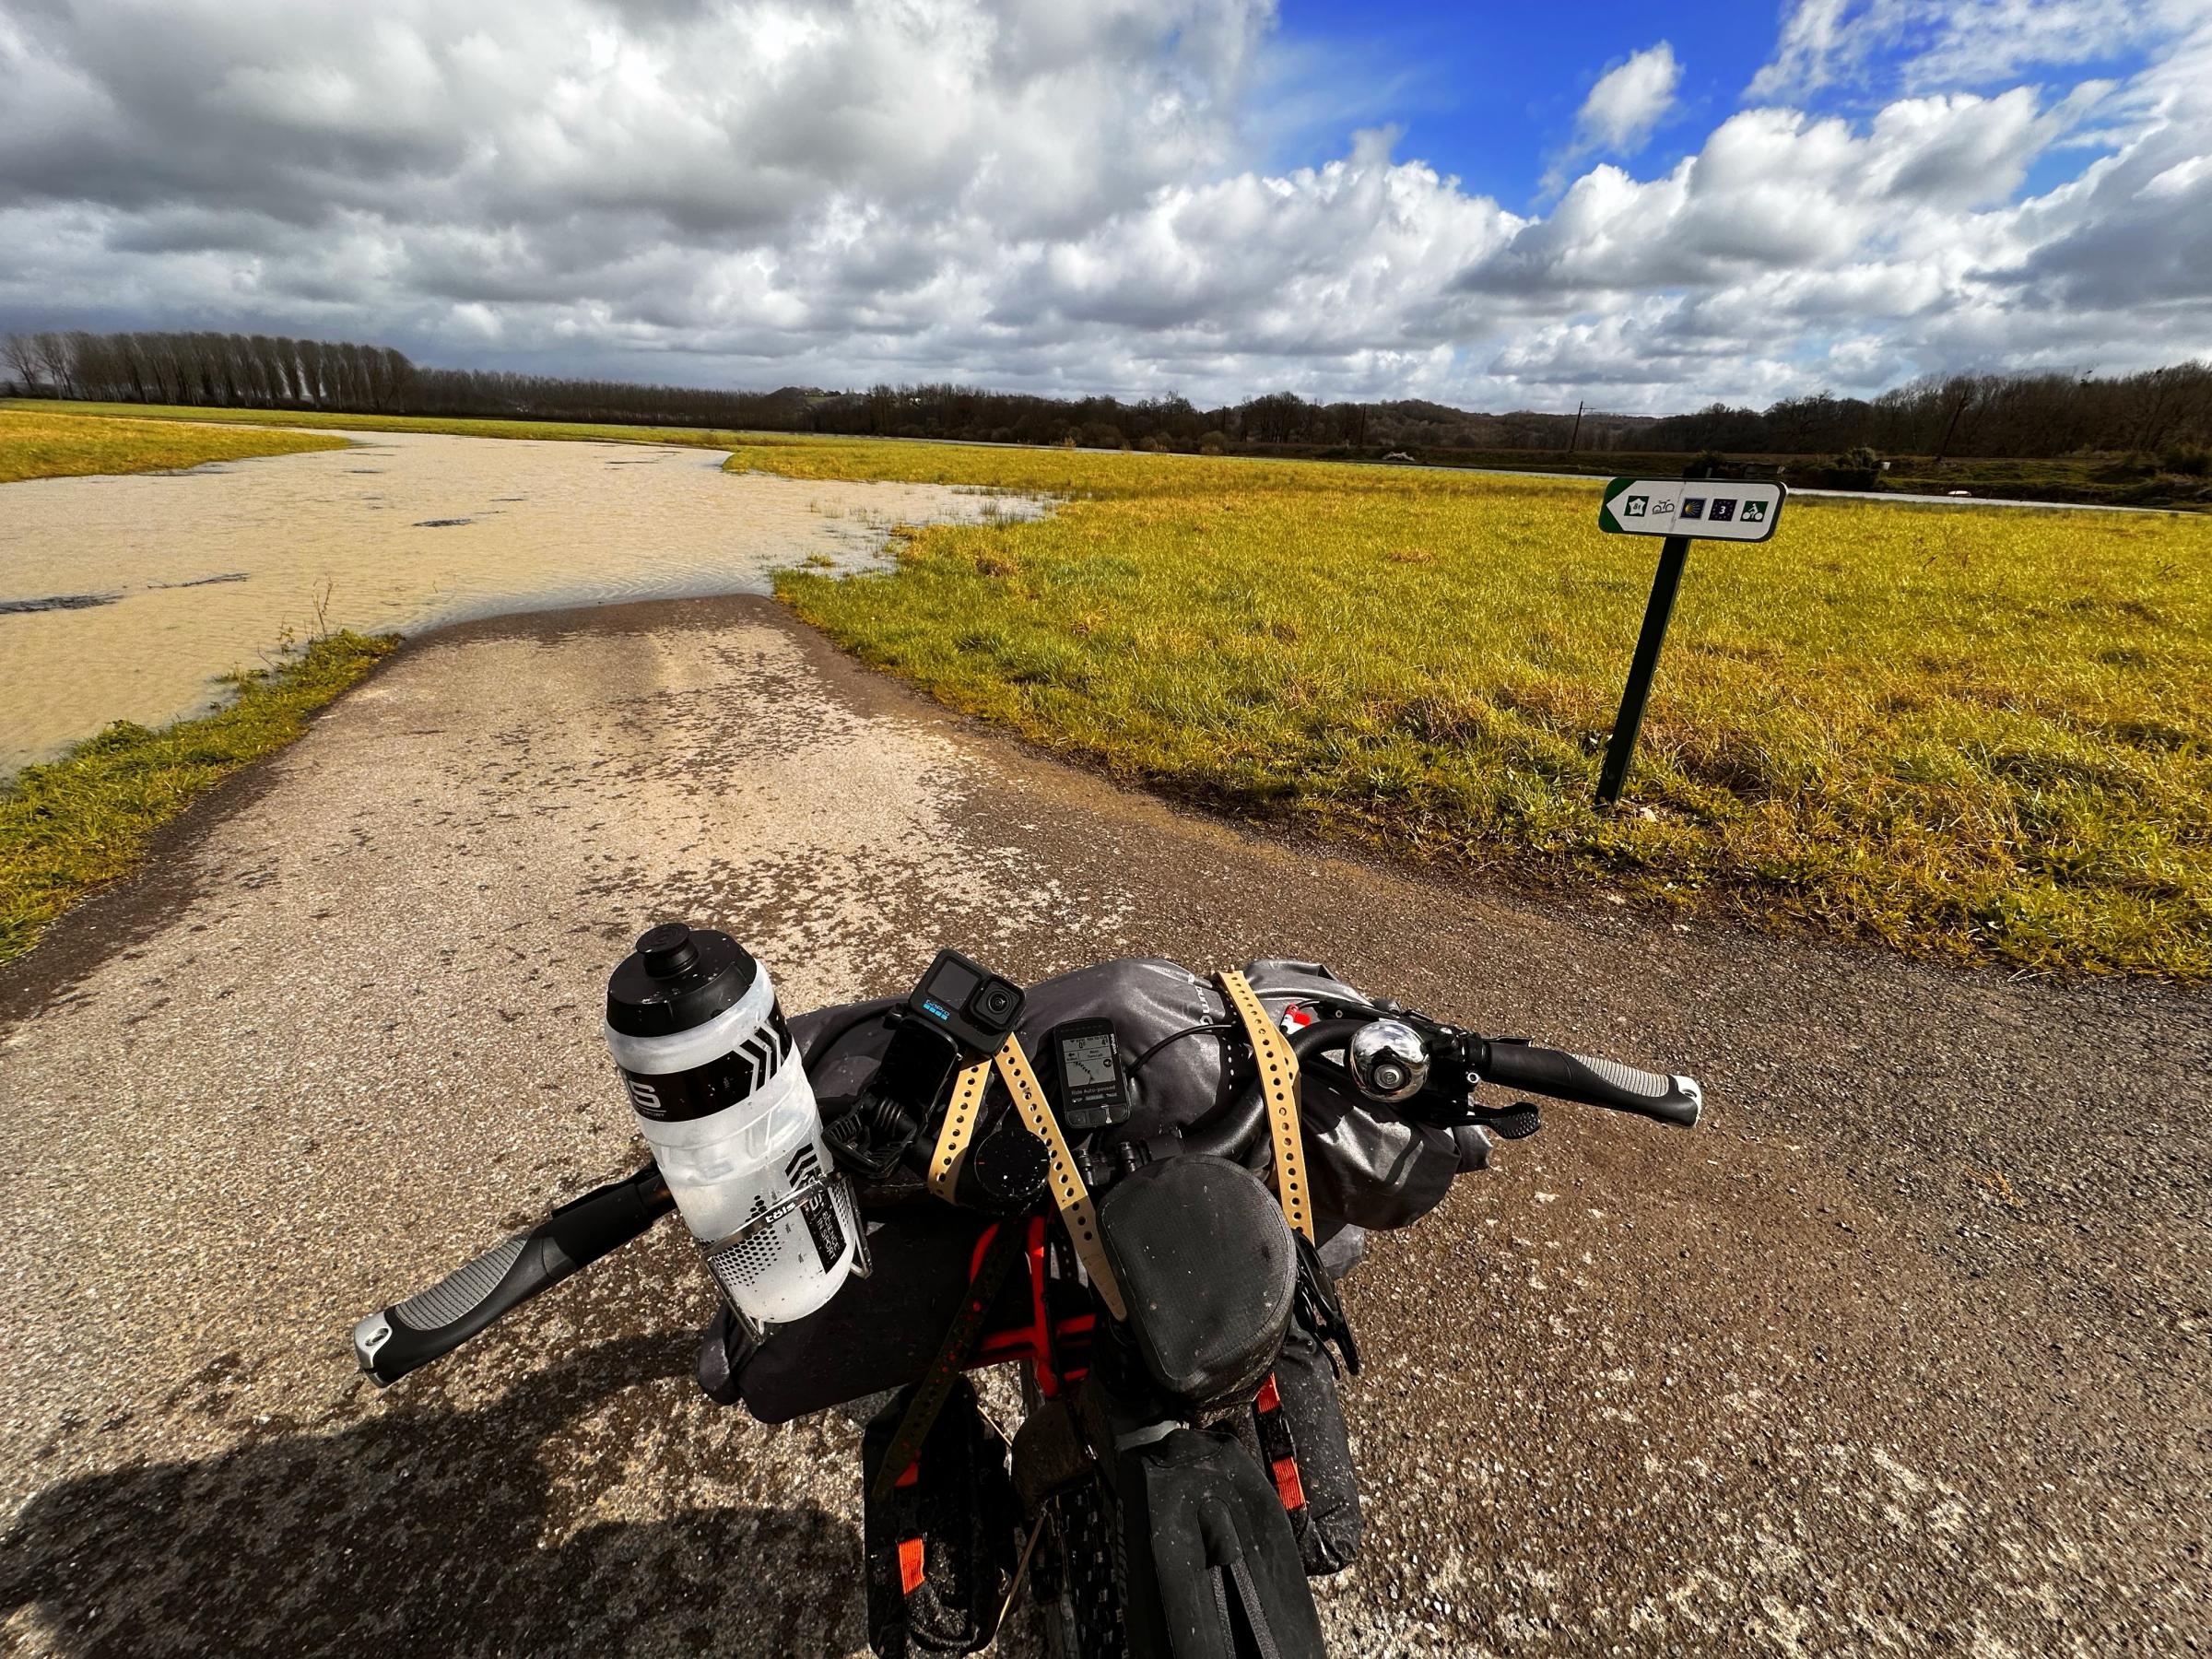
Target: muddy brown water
128, 598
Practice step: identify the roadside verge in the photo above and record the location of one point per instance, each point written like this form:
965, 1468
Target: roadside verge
76, 823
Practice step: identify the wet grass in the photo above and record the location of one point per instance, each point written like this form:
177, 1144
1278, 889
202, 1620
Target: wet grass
1972, 735
37, 443
74, 824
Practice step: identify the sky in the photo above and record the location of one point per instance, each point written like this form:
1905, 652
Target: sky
1646, 206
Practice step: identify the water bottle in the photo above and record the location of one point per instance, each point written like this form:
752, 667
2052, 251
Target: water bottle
723, 1102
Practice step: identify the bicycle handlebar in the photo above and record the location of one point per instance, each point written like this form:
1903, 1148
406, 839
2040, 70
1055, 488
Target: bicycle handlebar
1238, 1130
434, 1322
1590, 1082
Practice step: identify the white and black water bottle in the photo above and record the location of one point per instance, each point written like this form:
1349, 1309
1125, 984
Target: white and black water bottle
722, 1101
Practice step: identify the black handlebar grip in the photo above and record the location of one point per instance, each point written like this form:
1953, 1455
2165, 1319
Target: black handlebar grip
437, 1321
1608, 1083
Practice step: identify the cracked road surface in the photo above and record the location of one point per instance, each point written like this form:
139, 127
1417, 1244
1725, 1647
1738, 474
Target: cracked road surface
1906, 1351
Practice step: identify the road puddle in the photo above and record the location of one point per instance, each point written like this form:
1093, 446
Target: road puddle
126, 598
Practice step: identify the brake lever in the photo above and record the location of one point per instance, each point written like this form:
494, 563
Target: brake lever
1517, 1121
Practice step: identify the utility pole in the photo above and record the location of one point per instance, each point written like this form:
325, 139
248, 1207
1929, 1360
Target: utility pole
1576, 432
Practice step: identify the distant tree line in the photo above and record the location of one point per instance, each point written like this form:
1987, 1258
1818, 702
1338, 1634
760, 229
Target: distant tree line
2027, 416
217, 371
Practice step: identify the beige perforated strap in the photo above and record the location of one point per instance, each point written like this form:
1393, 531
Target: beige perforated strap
1279, 1088
1077, 1212
958, 1128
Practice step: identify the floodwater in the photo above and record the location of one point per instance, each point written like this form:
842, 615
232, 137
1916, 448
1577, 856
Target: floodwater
126, 598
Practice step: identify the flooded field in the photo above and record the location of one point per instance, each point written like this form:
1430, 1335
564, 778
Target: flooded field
126, 598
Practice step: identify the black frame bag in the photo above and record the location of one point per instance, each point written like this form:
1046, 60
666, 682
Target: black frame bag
940, 1549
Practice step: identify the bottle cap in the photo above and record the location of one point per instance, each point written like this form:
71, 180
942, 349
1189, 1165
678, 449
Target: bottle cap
678, 977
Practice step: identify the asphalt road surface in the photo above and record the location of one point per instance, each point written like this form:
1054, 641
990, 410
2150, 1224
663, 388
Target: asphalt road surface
1906, 1351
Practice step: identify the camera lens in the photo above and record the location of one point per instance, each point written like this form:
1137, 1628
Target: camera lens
997, 1002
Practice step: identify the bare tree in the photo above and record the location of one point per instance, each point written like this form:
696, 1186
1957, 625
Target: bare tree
20, 352
53, 356
312, 389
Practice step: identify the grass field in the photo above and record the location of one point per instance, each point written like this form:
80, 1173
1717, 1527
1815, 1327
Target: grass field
37, 443
1973, 735
69, 825
1970, 734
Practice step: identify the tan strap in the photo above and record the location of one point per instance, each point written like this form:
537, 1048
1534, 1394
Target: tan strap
1077, 1212
958, 1128
1278, 1086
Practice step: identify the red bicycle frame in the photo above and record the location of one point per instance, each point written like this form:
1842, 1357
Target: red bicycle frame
1055, 1346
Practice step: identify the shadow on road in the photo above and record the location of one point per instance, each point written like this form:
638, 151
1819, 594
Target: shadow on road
424, 1530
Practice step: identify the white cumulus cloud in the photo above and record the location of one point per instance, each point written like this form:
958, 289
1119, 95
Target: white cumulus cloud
1629, 101
1070, 199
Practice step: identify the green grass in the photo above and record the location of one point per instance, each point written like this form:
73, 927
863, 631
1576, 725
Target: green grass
1973, 735
83, 820
37, 441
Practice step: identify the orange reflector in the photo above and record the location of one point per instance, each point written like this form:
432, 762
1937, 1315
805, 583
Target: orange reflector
1288, 1484
909, 1564
1269, 1399
913, 1473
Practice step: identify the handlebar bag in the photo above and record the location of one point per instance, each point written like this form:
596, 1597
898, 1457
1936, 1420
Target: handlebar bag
1208, 1271
1214, 1571
1367, 1167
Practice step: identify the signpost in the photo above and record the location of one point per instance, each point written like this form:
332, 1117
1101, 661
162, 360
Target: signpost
1681, 510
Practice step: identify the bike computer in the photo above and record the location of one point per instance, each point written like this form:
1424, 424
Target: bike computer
1093, 1092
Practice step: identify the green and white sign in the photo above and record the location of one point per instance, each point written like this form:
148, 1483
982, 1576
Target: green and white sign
1709, 509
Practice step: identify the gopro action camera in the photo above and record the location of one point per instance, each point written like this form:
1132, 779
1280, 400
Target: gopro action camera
967, 1003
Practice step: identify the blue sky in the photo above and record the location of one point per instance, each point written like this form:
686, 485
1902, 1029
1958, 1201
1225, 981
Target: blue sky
1518, 206
1488, 92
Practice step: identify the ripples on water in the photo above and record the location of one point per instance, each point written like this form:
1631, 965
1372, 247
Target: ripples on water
125, 599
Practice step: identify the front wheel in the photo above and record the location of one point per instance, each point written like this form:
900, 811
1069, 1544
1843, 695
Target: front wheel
1076, 1573
1082, 1613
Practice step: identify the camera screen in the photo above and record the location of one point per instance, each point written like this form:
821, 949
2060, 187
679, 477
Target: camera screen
1089, 1059
952, 983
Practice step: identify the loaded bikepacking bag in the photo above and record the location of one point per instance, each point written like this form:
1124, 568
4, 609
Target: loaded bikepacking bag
1214, 1571
1367, 1168
1209, 1270
940, 1544
1228, 1305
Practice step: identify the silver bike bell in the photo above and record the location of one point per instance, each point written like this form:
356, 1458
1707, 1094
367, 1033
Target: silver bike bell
1389, 1060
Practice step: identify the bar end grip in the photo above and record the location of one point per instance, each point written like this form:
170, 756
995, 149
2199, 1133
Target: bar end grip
435, 1321
1590, 1081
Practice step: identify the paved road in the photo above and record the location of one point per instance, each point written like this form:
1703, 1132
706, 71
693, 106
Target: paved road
1907, 1352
